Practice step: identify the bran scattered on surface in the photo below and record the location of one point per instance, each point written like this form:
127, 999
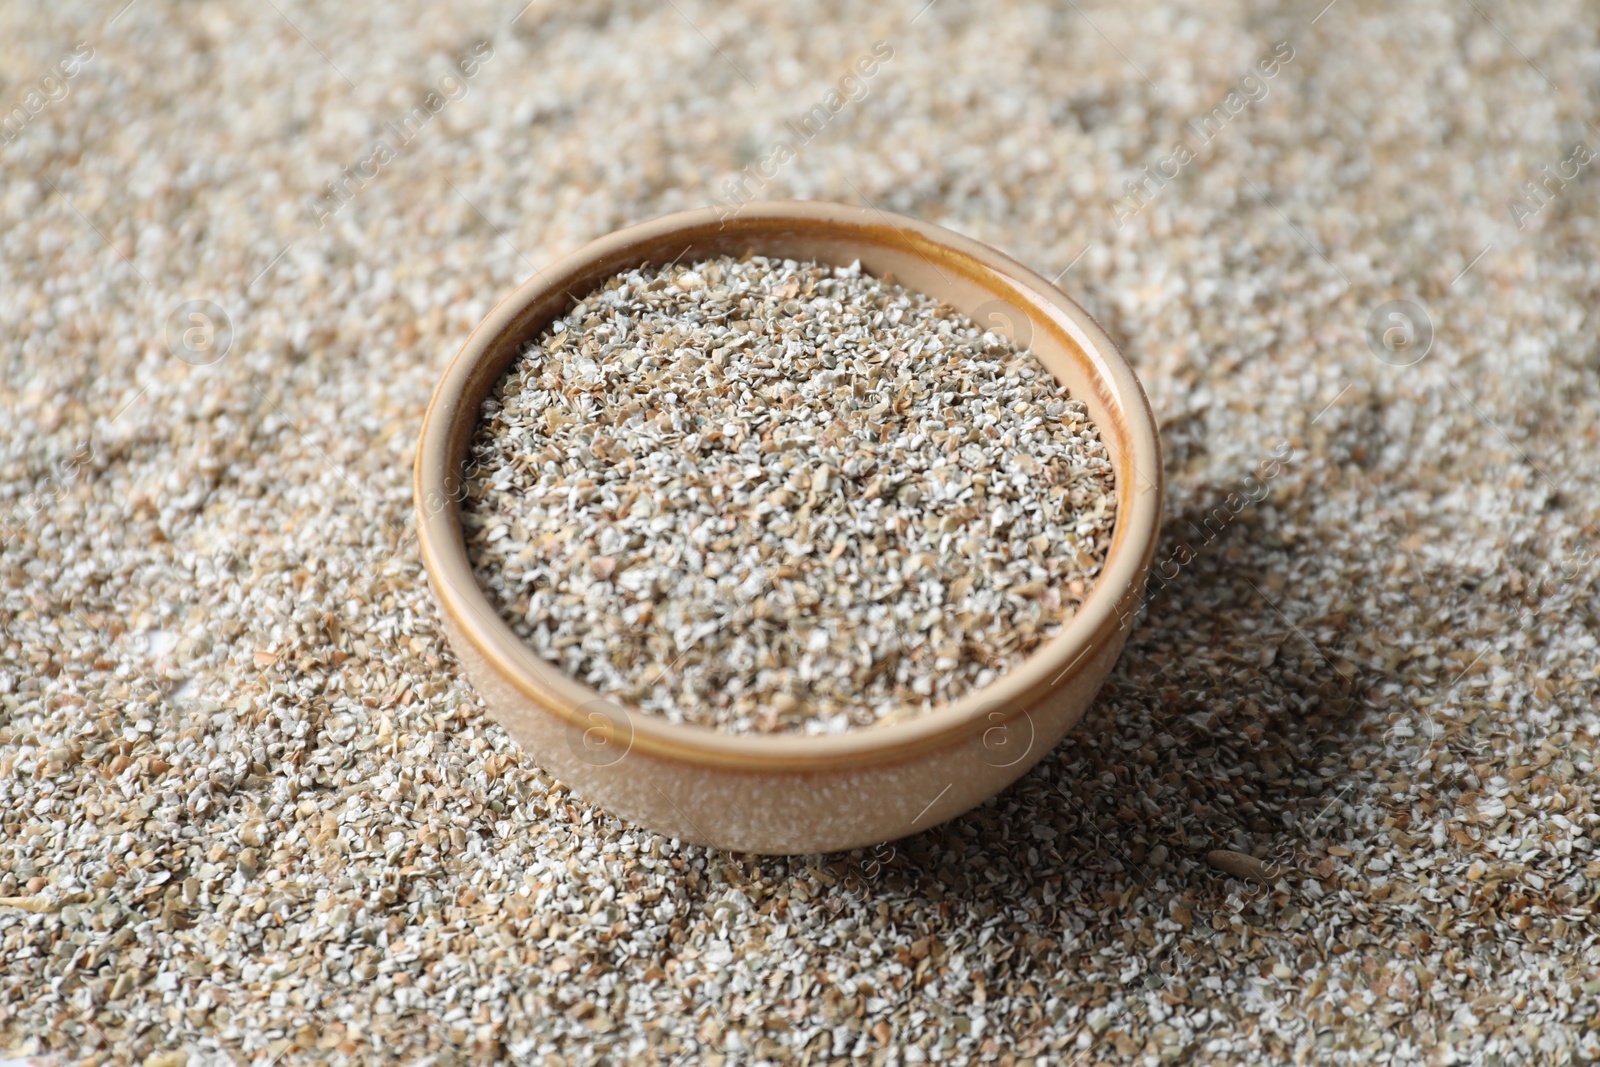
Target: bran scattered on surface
257, 815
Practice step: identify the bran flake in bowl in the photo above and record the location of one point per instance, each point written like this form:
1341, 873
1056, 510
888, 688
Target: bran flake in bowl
770, 496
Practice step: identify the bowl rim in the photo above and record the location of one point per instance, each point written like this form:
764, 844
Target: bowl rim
1109, 606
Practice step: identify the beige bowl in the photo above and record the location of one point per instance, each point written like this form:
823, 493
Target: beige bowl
785, 793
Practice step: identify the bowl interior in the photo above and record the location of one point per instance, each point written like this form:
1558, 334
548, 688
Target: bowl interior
994, 290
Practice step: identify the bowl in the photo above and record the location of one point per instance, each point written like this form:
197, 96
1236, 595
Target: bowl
784, 793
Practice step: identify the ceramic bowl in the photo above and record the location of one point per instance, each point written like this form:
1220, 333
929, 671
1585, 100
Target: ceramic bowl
782, 793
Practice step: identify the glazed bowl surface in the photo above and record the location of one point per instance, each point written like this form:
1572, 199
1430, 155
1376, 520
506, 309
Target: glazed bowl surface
790, 793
